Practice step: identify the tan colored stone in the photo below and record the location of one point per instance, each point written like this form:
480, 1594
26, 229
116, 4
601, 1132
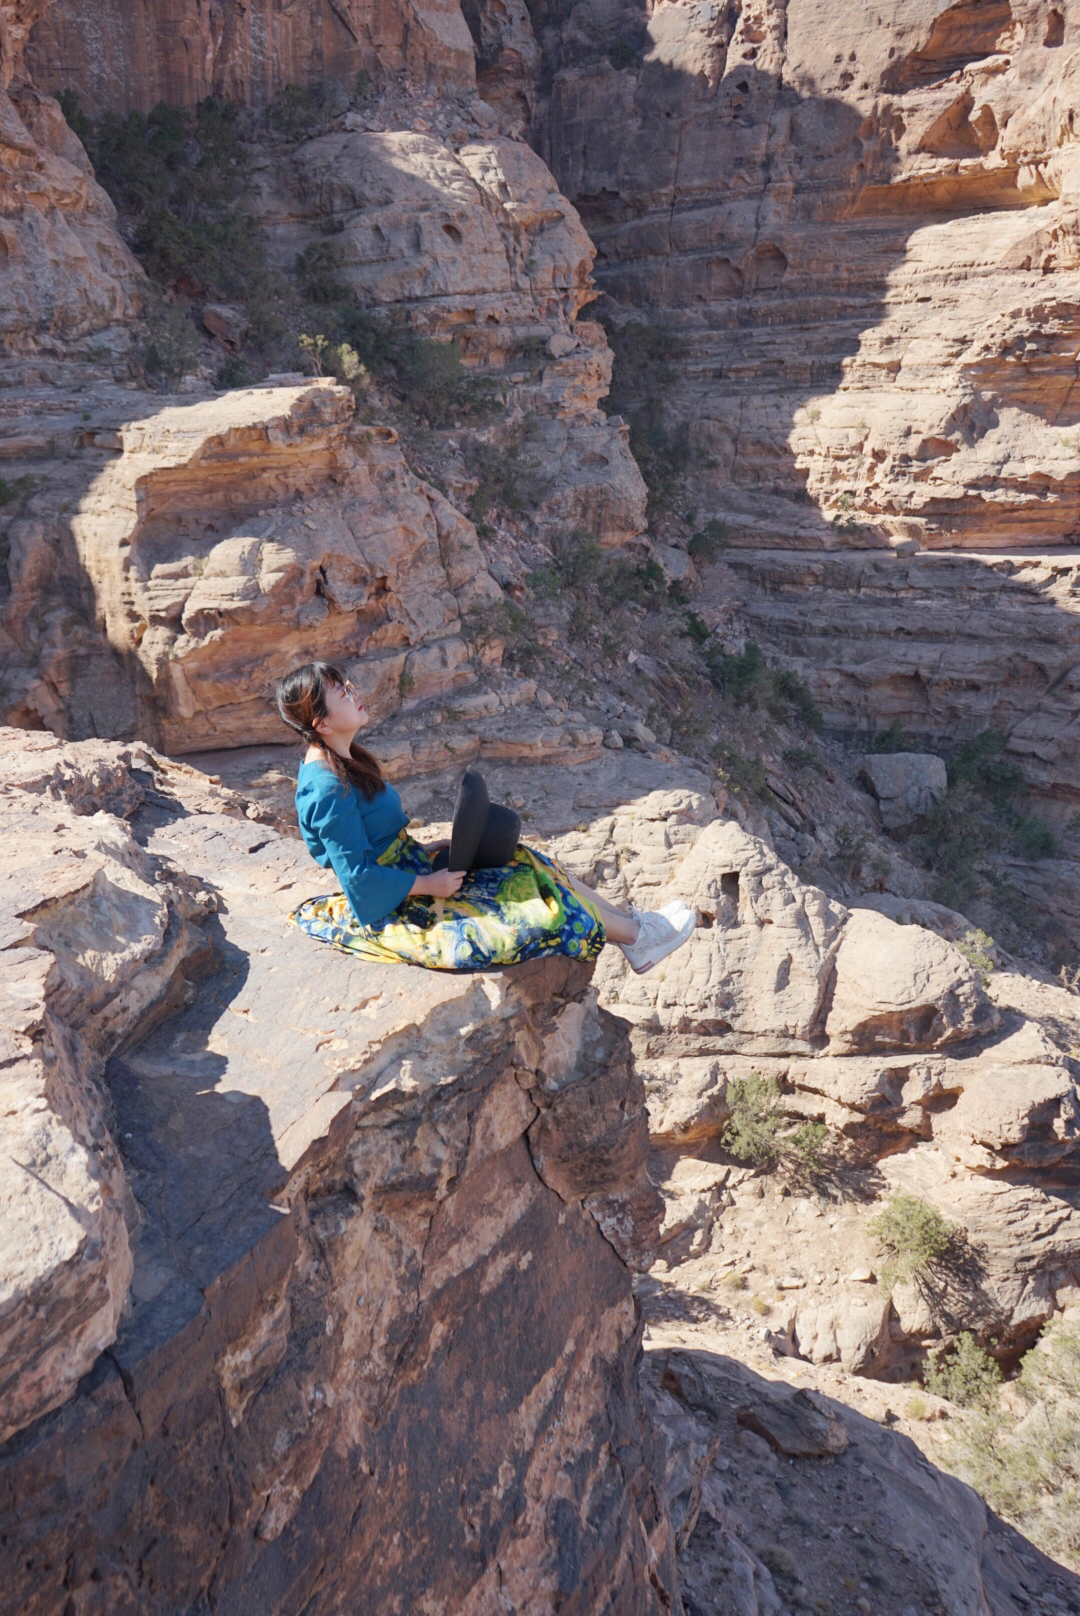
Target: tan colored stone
900, 987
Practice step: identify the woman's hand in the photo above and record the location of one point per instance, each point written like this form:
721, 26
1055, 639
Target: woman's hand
439, 884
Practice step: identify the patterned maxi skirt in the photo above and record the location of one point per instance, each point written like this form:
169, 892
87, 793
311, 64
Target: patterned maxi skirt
517, 911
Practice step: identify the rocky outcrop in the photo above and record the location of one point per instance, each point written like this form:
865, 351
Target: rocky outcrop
221, 542
298, 1240
471, 241
790, 1497
931, 1085
64, 272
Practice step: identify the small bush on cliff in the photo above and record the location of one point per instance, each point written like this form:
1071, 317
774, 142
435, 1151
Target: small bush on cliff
746, 679
645, 365
966, 1374
913, 1235
979, 948
1025, 1461
978, 819
760, 1133
892, 739
428, 378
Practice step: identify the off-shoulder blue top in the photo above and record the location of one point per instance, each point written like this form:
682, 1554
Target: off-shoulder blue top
346, 833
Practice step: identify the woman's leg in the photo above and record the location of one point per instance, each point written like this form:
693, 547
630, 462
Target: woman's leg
619, 924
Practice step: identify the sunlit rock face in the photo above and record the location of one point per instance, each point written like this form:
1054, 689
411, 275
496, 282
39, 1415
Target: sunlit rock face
866, 228
189, 553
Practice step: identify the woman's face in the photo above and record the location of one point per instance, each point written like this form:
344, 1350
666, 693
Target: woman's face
344, 710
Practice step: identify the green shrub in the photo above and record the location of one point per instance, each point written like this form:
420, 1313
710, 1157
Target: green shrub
623, 55
317, 271
427, 377
978, 947
913, 1235
645, 366
892, 739
171, 349
979, 763
298, 111
509, 478
759, 1132
747, 680
17, 490
707, 544
966, 1374
740, 773
757, 1119
180, 180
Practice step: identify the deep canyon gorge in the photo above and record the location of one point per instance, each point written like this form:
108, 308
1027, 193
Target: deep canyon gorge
668, 408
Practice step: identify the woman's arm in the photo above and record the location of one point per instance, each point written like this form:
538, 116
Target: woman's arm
372, 889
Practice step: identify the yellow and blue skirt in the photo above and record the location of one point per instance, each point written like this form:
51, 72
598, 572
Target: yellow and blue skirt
518, 911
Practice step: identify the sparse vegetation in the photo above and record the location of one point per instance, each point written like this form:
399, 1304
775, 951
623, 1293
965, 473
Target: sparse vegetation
16, 491
978, 818
708, 542
760, 1133
1026, 1461
760, 1306
892, 739
746, 679
913, 1235
965, 1374
735, 1281
978, 947
646, 364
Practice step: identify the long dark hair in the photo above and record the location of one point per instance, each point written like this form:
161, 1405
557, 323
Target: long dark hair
301, 703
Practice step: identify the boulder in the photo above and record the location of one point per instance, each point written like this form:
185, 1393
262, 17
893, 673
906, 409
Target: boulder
907, 785
225, 322
900, 987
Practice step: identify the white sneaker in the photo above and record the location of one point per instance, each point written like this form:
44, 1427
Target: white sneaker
657, 937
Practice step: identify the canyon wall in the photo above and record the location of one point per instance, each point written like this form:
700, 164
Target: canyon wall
121, 56
867, 234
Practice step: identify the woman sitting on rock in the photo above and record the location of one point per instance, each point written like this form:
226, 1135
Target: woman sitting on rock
353, 823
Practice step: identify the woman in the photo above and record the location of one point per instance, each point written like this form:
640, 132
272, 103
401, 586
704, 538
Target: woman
353, 823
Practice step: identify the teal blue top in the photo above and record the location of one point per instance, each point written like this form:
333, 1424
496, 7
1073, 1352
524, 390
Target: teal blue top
346, 833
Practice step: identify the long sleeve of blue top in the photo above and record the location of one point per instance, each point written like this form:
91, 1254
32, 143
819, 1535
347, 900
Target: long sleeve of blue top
345, 833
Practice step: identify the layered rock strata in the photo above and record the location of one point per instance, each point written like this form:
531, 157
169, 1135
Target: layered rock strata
216, 544
333, 1364
877, 280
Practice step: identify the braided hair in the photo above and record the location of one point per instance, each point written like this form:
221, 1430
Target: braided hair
301, 703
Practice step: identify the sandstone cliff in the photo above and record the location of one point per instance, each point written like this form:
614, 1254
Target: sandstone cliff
267, 1233
300, 1241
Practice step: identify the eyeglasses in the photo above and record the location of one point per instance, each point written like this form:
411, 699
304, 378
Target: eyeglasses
351, 691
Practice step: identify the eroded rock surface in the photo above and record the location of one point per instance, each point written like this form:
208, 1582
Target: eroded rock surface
320, 1210
947, 1091
64, 271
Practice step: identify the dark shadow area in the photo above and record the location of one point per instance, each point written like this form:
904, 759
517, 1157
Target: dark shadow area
875, 1522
